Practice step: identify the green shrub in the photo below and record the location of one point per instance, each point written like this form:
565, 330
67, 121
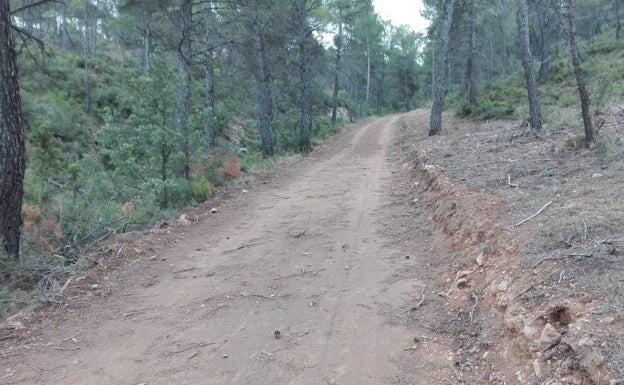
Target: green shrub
201, 189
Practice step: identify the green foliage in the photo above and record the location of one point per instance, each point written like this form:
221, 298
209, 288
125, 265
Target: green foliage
287, 135
201, 189
496, 100
323, 129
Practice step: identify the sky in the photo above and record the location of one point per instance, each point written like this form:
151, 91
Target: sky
402, 12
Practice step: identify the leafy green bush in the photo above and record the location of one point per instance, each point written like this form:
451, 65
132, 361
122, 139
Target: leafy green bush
201, 189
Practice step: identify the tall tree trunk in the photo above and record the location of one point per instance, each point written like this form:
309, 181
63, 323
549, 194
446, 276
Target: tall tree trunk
435, 120
380, 87
86, 59
338, 42
618, 24
471, 67
545, 17
65, 40
590, 137
12, 148
185, 53
368, 76
263, 84
146, 50
305, 130
527, 62
209, 77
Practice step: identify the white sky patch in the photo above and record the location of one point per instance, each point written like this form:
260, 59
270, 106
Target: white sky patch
400, 12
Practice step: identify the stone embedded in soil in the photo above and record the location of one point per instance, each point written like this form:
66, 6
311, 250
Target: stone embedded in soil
503, 286
537, 368
608, 320
530, 332
586, 341
480, 259
184, 220
549, 337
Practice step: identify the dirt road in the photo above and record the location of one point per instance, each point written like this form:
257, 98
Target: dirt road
298, 281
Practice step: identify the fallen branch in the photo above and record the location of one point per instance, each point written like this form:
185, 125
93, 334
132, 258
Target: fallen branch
193, 346
66, 284
7, 337
562, 257
533, 216
300, 274
73, 336
11, 326
509, 182
300, 234
120, 250
418, 305
262, 296
246, 245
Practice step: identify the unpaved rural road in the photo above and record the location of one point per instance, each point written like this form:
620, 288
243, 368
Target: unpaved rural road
304, 256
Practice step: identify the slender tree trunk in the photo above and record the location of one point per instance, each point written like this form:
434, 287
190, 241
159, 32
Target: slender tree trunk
544, 71
408, 106
471, 67
146, 51
618, 24
590, 137
86, 59
185, 53
435, 121
527, 62
209, 77
368, 76
306, 77
380, 89
338, 41
164, 156
12, 148
263, 83
63, 32
545, 17
505, 59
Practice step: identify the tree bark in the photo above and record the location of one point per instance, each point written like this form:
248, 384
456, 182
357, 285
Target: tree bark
527, 62
338, 42
306, 77
263, 84
185, 55
209, 77
435, 121
471, 67
546, 17
146, 50
618, 24
368, 76
86, 59
590, 137
12, 148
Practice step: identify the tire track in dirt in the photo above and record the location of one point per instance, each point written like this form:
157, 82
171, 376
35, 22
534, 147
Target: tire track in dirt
304, 256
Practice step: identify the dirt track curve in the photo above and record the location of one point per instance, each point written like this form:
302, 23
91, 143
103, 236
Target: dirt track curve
293, 282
